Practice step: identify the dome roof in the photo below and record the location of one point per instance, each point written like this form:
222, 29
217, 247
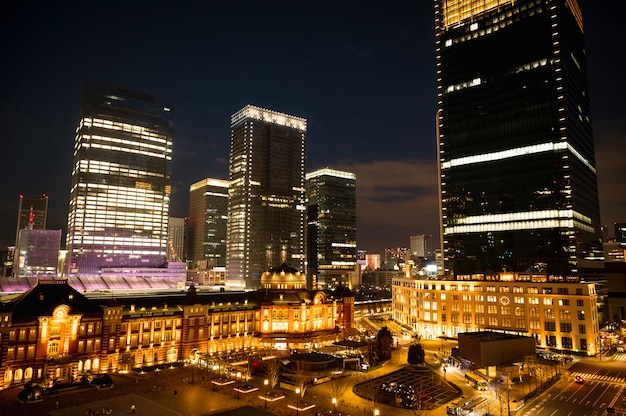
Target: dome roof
287, 276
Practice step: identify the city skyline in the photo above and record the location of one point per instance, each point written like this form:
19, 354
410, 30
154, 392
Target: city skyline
363, 76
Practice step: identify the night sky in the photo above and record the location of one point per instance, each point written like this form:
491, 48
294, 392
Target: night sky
362, 74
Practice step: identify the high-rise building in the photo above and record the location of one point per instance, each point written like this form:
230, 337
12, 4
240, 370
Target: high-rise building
31, 215
620, 232
120, 195
176, 239
421, 246
208, 218
266, 197
517, 166
38, 253
331, 228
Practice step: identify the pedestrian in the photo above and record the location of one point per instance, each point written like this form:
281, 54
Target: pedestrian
132, 408
175, 392
57, 404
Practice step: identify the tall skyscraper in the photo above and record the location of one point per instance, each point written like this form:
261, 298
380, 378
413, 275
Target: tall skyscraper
176, 239
31, 215
120, 195
38, 253
517, 166
208, 218
266, 206
331, 228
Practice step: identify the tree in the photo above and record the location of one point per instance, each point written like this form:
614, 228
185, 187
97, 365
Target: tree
416, 354
531, 365
301, 376
384, 343
338, 384
272, 371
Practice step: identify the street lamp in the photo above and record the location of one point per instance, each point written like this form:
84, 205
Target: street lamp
238, 379
266, 382
297, 401
215, 368
334, 401
376, 412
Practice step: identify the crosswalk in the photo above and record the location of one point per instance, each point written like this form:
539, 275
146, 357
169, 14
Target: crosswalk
619, 357
599, 377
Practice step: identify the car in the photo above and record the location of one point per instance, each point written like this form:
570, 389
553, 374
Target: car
579, 380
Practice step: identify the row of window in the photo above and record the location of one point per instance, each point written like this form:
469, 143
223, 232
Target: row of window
533, 324
501, 289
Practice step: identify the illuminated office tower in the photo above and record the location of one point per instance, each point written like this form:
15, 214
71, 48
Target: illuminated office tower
266, 204
331, 228
208, 218
176, 239
517, 166
120, 195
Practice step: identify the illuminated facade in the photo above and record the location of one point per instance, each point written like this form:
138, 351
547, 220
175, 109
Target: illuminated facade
266, 197
54, 333
517, 166
560, 316
31, 215
120, 195
331, 228
208, 217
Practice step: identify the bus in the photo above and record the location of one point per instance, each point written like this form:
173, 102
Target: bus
475, 381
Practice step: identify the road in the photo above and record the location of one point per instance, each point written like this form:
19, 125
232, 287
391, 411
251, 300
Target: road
603, 387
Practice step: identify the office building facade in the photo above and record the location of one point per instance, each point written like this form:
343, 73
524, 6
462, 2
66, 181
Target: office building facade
331, 228
120, 195
207, 223
38, 253
266, 206
557, 315
176, 239
517, 167
31, 215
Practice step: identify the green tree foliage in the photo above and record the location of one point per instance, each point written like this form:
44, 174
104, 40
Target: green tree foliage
384, 343
416, 354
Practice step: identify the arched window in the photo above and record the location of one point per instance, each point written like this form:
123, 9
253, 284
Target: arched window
53, 347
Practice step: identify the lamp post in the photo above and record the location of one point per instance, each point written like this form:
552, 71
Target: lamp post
297, 401
266, 382
238, 380
334, 401
215, 368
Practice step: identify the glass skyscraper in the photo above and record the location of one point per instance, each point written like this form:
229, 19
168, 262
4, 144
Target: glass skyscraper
120, 195
207, 223
266, 205
517, 166
331, 228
